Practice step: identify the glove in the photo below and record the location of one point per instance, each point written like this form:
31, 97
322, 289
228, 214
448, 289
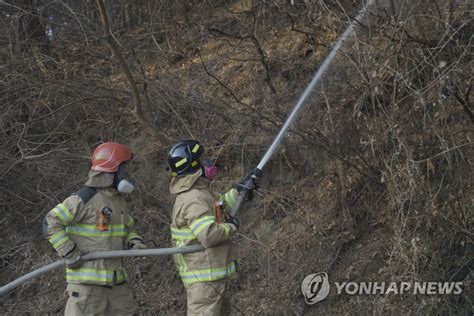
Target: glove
74, 259
232, 220
136, 244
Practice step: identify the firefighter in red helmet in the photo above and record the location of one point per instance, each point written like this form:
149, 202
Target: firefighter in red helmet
96, 218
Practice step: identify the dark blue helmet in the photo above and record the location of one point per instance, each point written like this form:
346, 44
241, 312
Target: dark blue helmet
184, 156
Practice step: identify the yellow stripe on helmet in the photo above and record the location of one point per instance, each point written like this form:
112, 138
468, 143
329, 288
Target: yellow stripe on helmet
181, 162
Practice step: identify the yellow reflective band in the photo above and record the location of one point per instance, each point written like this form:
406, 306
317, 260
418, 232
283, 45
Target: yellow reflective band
181, 263
180, 259
201, 223
182, 233
231, 198
181, 162
205, 275
133, 235
63, 214
195, 148
87, 274
58, 239
122, 276
96, 275
227, 230
85, 230
202, 219
194, 163
130, 222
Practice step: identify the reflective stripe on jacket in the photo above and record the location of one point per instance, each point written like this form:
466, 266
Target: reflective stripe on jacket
74, 223
194, 223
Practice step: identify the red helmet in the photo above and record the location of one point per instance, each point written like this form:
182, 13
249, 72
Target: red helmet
108, 157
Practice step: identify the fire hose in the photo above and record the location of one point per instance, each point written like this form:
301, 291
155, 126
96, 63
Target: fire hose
100, 255
248, 186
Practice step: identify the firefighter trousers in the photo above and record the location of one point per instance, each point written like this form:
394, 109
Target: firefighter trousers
91, 300
206, 298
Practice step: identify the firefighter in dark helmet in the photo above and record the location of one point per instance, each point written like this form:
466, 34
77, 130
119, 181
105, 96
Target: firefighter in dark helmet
194, 222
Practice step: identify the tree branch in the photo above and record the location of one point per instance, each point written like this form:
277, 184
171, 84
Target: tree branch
465, 102
137, 105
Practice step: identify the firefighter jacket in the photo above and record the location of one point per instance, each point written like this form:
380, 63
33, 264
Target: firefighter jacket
74, 223
194, 223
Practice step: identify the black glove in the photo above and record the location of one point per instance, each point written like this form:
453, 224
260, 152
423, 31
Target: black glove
73, 259
249, 186
232, 220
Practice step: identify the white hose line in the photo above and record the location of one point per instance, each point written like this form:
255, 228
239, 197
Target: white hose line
282, 134
99, 255
350, 31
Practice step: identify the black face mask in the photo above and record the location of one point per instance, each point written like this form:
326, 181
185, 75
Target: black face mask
122, 181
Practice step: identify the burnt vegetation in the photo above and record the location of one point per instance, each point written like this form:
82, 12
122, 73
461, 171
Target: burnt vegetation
373, 184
